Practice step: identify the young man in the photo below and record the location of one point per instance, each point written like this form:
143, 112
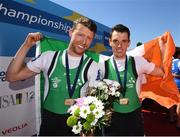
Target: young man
65, 73
127, 70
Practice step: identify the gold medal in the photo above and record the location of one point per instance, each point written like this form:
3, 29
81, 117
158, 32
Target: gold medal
69, 102
124, 101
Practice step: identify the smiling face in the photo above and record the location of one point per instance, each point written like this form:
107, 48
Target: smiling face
81, 38
119, 42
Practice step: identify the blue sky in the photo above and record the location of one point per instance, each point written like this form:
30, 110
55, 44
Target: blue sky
146, 19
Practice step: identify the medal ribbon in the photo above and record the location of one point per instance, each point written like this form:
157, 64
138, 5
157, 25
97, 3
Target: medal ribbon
119, 78
71, 90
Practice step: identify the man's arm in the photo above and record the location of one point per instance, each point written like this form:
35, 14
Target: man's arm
157, 72
17, 70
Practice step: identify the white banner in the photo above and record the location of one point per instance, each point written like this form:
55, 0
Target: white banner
17, 104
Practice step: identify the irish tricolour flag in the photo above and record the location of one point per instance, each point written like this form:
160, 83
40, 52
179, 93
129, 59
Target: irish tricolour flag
162, 90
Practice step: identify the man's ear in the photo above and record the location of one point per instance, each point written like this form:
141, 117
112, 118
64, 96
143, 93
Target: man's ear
129, 43
110, 41
70, 32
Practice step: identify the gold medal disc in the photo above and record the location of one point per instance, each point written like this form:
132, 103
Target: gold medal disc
124, 101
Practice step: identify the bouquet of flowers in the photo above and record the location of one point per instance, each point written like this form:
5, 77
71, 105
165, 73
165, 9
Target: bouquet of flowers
95, 109
108, 91
105, 90
86, 114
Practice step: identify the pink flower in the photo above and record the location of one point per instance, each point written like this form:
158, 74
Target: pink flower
80, 101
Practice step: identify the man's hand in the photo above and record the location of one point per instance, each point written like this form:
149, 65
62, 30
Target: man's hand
32, 38
162, 43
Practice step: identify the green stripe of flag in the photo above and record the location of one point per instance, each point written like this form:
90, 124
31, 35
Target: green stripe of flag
52, 44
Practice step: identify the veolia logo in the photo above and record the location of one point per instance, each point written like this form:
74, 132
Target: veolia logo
14, 129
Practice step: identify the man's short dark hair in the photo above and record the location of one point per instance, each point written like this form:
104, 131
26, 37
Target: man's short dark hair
87, 23
120, 28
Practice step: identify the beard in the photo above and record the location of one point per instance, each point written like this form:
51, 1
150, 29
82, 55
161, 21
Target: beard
77, 50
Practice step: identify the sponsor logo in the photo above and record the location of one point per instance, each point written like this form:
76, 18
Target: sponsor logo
16, 99
55, 82
131, 83
2, 76
14, 129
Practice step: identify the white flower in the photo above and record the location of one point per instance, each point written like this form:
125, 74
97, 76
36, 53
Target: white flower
100, 84
99, 104
108, 82
77, 128
72, 109
117, 94
106, 90
84, 111
106, 96
89, 100
112, 88
98, 113
116, 84
104, 87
